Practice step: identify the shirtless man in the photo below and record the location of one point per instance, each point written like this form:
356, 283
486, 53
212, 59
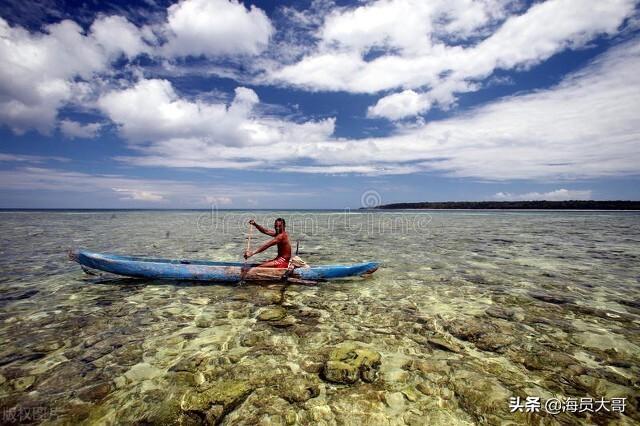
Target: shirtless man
281, 238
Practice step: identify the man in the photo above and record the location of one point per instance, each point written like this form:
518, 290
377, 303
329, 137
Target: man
280, 238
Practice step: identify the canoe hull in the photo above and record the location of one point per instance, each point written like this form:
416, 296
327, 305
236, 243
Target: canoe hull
200, 270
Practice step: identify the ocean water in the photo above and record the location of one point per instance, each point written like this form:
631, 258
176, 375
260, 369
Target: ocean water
470, 314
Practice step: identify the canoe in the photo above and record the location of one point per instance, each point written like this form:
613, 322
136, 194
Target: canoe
205, 270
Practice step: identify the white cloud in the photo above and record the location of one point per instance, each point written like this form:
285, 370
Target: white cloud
116, 36
213, 200
44, 71
73, 129
399, 105
174, 131
23, 158
408, 25
215, 27
410, 103
41, 72
412, 42
556, 195
138, 195
152, 110
139, 191
584, 127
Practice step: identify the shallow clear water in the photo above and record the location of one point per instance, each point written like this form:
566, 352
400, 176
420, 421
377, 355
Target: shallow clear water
468, 310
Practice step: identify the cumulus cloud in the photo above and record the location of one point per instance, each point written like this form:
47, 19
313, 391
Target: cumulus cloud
432, 47
586, 126
118, 36
399, 105
151, 110
419, 54
41, 72
215, 27
556, 195
73, 129
174, 131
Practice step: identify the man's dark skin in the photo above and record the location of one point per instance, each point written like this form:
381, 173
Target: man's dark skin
280, 238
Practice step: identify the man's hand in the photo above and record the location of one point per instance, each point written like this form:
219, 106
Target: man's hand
247, 254
252, 222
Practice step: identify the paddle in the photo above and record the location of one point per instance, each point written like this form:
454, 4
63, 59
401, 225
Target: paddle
244, 266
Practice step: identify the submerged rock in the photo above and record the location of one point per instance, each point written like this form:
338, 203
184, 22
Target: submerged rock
547, 360
168, 412
217, 400
190, 364
482, 396
410, 394
502, 313
551, 298
57, 379
18, 295
285, 322
142, 371
312, 364
394, 400
440, 342
469, 329
349, 362
23, 383
428, 366
297, 390
487, 336
340, 372
494, 342
95, 392
616, 358
203, 322
272, 314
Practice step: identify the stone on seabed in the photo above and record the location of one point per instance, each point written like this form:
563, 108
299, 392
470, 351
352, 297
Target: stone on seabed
272, 314
298, 390
348, 362
23, 383
215, 400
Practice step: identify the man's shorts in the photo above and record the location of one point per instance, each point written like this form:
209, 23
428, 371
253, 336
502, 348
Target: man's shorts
280, 262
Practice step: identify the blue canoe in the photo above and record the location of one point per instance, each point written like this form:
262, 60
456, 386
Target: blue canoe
204, 270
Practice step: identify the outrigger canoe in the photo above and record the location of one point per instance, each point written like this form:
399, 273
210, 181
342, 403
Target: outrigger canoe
204, 270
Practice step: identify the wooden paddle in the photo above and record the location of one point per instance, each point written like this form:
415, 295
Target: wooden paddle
249, 239
244, 266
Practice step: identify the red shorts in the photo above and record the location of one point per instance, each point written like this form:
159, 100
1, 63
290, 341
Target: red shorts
280, 262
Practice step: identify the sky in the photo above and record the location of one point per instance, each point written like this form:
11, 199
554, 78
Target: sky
317, 104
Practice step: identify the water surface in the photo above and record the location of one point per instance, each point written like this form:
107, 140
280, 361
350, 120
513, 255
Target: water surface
468, 310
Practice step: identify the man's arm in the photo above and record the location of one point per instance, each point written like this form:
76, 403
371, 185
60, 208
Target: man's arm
262, 248
262, 229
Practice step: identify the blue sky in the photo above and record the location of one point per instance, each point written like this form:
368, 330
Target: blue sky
317, 104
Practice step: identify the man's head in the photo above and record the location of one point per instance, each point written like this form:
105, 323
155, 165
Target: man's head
279, 225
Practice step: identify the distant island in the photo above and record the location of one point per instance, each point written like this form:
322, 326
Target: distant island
517, 205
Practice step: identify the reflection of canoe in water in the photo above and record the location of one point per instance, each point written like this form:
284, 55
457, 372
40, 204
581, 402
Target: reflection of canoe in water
204, 270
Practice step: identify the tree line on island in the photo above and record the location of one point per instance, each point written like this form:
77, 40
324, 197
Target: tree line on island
519, 205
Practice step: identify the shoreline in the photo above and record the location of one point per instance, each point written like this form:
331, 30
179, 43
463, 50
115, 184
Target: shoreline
579, 205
